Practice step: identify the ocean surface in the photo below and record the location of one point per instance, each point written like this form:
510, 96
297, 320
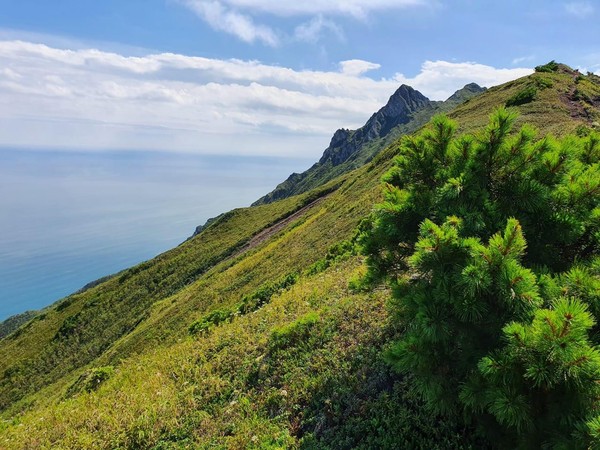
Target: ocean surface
68, 218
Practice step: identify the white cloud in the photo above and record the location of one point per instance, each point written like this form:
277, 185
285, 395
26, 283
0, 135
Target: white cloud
581, 10
438, 79
222, 18
91, 99
355, 8
312, 30
590, 63
237, 17
10, 74
522, 59
356, 67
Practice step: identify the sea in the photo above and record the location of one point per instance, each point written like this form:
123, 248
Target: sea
68, 217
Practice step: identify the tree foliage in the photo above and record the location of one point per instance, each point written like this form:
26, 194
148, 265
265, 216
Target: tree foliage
490, 243
552, 66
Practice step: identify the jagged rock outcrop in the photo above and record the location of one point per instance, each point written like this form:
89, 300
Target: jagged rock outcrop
398, 110
406, 110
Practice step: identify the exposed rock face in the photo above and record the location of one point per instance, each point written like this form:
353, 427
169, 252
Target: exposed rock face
346, 148
398, 110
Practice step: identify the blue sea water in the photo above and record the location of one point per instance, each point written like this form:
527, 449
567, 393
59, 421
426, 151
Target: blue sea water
68, 218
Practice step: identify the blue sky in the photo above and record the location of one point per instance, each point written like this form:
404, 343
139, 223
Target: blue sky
257, 77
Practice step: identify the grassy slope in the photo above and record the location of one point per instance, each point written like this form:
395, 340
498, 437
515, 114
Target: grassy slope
11, 324
40, 353
240, 386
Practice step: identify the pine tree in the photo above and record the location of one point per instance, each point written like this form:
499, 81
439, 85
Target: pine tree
497, 327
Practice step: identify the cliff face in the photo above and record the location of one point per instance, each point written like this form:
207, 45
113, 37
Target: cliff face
398, 110
406, 110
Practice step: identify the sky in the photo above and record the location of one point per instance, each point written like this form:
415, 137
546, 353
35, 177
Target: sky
257, 77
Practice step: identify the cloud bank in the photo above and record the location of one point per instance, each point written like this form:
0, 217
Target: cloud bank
91, 99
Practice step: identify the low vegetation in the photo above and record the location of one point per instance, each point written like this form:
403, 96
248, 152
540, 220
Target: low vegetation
526, 95
552, 66
13, 323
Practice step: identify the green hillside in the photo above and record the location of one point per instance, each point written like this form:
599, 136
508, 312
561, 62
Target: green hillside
255, 333
11, 324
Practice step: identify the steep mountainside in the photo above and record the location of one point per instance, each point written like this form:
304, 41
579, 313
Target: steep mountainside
406, 111
251, 334
14, 322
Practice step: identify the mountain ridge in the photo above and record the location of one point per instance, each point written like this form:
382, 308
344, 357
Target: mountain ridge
405, 111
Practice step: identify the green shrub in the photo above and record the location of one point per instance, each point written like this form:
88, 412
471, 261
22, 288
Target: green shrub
293, 334
583, 130
499, 328
543, 83
68, 327
64, 304
581, 95
250, 302
90, 380
263, 294
522, 97
212, 319
552, 66
334, 254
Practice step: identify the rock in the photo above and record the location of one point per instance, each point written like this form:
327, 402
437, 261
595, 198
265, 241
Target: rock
398, 110
349, 149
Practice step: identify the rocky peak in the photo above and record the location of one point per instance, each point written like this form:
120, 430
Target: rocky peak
339, 137
405, 99
406, 107
398, 110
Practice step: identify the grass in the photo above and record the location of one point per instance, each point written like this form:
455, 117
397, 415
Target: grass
84, 326
281, 377
13, 323
551, 112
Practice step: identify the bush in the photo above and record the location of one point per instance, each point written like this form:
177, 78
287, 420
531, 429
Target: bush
552, 66
293, 334
581, 95
263, 294
68, 327
334, 254
90, 380
249, 303
498, 328
543, 83
583, 130
522, 97
212, 319
64, 304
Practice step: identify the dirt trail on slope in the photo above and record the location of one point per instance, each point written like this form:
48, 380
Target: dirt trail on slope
268, 232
